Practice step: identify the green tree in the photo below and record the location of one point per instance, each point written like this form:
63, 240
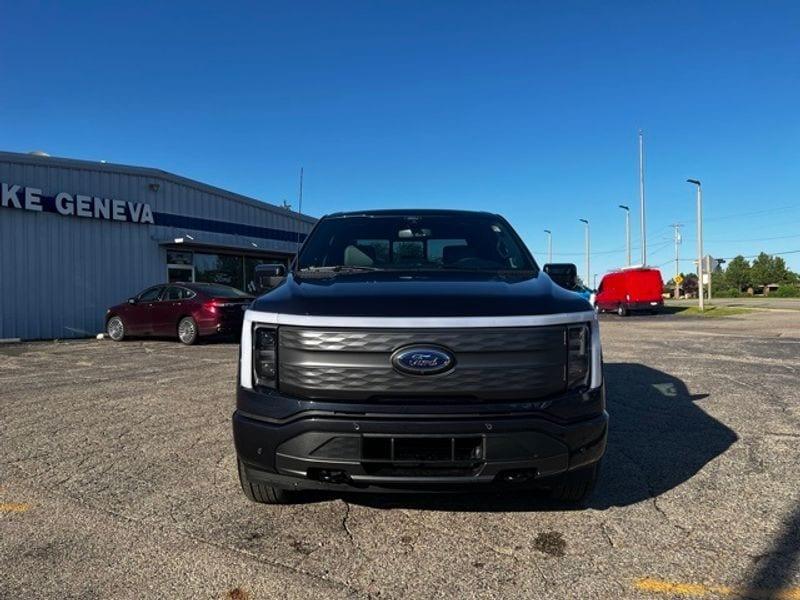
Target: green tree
719, 282
690, 284
738, 274
763, 270
781, 272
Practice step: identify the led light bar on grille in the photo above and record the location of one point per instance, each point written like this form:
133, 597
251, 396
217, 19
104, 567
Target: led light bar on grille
265, 356
579, 354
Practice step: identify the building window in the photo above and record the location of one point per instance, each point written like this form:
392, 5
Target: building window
219, 268
175, 257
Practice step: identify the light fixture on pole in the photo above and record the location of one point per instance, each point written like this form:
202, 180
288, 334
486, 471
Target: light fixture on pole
627, 231
700, 294
549, 245
588, 251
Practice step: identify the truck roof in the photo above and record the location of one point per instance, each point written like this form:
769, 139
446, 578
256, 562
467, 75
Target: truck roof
407, 212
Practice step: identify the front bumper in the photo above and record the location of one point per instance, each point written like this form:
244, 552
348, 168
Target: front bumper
222, 325
652, 305
352, 447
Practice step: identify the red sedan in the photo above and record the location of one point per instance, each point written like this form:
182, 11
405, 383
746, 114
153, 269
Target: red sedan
188, 310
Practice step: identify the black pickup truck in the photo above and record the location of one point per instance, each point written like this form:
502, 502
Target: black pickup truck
418, 350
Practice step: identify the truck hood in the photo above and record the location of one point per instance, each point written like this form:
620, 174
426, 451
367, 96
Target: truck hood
420, 294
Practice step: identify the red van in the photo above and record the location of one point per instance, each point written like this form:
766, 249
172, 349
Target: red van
637, 288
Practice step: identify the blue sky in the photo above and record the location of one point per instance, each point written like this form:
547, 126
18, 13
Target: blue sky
530, 109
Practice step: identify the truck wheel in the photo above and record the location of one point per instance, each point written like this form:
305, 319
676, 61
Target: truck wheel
115, 328
187, 331
622, 311
575, 487
262, 493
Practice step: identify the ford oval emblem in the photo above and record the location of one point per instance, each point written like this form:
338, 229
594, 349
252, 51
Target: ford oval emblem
423, 360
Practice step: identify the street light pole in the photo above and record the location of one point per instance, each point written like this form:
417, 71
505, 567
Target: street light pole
588, 251
627, 231
549, 245
641, 199
696, 182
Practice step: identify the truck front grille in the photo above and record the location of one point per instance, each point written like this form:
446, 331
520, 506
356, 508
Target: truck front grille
355, 364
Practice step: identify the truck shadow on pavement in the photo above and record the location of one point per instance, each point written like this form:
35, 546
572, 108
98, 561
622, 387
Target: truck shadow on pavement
659, 437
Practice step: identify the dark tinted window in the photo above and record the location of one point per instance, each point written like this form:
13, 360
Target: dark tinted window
221, 291
175, 257
219, 268
178, 293
448, 241
151, 294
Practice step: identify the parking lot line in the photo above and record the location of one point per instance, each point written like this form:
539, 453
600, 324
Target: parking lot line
14, 507
698, 590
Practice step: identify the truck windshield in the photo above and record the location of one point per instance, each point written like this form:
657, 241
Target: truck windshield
474, 242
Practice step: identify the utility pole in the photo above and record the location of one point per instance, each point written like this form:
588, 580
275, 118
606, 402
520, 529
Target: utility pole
709, 270
627, 231
696, 182
549, 245
588, 251
677, 227
641, 199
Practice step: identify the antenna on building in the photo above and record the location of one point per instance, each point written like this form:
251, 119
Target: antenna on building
300, 195
300, 202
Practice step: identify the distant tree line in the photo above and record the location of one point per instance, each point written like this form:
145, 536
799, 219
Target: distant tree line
742, 277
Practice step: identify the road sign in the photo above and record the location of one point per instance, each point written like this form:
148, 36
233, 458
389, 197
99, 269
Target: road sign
678, 279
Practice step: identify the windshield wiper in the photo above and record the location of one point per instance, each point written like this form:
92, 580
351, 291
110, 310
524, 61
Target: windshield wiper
337, 269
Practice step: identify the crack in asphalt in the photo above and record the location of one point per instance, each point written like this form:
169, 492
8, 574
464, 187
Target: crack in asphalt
651, 492
346, 527
180, 531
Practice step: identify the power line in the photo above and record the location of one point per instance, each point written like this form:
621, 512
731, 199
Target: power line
777, 237
748, 213
749, 255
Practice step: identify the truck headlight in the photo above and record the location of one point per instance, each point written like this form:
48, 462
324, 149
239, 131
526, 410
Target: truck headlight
579, 355
265, 356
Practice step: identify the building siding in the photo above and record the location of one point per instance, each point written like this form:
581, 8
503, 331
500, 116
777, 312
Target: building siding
58, 274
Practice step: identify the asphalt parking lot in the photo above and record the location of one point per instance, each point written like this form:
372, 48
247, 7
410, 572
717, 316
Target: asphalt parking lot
118, 480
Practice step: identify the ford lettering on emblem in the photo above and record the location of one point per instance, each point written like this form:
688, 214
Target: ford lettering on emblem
423, 360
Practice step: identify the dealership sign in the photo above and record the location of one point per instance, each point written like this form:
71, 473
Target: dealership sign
74, 205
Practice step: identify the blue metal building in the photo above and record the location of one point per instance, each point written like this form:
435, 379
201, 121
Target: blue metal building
79, 236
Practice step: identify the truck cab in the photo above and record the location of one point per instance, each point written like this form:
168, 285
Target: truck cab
418, 350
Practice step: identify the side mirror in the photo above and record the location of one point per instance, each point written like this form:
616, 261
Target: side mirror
268, 276
276, 270
572, 282
131, 300
564, 274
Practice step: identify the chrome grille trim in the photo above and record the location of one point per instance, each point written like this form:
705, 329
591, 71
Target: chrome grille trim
355, 364
377, 340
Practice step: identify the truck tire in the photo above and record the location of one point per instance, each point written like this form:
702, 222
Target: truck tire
622, 311
262, 493
576, 486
